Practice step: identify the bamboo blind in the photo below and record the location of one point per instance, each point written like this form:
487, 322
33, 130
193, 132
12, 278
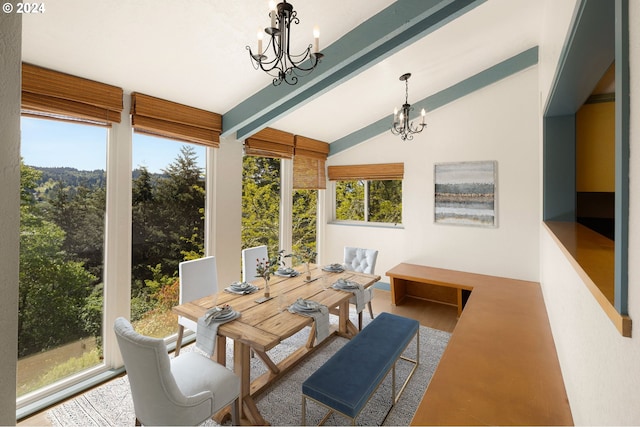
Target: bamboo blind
54, 94
381, 171
270, 143
309, 164
159, 117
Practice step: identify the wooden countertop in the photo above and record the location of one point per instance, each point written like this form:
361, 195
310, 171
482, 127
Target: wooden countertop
501, 365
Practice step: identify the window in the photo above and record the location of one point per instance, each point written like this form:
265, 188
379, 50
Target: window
368, 193
61, 251
261, 203
63, 205
305, 212
167, 227
168, 204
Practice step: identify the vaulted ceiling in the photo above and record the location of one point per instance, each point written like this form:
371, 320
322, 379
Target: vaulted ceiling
194, 52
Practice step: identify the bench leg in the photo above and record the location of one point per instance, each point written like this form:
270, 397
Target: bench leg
304, 411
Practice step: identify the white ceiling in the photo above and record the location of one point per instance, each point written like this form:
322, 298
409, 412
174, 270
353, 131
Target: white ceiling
193, 52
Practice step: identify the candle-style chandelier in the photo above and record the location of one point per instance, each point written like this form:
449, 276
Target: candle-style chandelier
401, 124
284, 66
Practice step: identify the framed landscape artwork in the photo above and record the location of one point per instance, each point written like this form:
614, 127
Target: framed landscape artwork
465, 193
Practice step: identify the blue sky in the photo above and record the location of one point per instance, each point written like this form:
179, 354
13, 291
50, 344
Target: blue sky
50, 143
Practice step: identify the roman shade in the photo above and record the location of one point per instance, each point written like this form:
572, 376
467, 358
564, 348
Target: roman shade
159, 117
309, 164
270, 143
48, 93
380, 172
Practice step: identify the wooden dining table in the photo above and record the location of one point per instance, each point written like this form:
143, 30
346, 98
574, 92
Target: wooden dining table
263, 325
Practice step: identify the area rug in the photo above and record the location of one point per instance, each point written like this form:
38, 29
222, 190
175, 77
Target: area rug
110, 404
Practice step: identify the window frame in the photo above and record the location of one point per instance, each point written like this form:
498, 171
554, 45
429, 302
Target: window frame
364, 223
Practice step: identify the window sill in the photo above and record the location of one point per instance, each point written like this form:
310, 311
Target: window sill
592, 256
367, 224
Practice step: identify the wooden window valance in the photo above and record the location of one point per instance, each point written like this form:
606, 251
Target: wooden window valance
380, 172
309, 164
48, 93
270, 143
159, 117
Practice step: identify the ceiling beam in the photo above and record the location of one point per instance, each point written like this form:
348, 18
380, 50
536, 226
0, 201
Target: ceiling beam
394, 28
461, 89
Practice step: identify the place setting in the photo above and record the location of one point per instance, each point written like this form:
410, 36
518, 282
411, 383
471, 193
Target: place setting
241, 288
349, 286
208, 326
333, 268
319, 312
286, 272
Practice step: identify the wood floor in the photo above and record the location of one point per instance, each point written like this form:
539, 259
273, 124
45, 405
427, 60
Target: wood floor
433, 315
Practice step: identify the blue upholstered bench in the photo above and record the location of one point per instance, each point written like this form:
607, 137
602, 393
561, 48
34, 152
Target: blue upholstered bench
346, 381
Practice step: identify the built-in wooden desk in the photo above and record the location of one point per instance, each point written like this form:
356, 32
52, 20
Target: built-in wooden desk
501, 365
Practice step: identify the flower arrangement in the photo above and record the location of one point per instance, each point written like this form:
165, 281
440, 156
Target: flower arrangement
307, 256
264, 269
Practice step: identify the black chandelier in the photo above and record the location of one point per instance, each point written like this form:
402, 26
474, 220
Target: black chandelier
401, 124
284, 66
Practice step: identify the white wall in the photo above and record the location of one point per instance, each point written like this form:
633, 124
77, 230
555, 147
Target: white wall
498, 122
10, 46
601, 369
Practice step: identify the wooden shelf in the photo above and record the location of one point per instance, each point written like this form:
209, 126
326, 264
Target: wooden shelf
592, 256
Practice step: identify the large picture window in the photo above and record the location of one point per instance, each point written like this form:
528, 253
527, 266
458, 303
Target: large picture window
62, 216
167, 227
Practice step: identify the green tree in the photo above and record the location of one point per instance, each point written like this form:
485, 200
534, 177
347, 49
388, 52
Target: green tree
350, 200
304, 220
180, 198
385, 201
261, 202
52, 288
79, 211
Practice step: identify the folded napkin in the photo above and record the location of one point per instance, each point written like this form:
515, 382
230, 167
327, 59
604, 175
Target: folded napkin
241, 288
356, 288
208, 327
319, 312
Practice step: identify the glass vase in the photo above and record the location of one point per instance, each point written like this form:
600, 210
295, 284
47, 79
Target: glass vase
266, 287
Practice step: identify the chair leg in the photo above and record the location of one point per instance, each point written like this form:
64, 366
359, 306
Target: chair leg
370, 310
138, 423
179, 340
360, 321
235, 412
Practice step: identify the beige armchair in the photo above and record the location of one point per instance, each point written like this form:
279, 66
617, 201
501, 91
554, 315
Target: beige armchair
363, 261
185, 390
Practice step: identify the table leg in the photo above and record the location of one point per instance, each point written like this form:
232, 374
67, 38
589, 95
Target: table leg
220, 354
345, 327
242, 368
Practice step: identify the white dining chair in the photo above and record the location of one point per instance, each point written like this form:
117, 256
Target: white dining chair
184, 390
362, 261
249, 264
198, 279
